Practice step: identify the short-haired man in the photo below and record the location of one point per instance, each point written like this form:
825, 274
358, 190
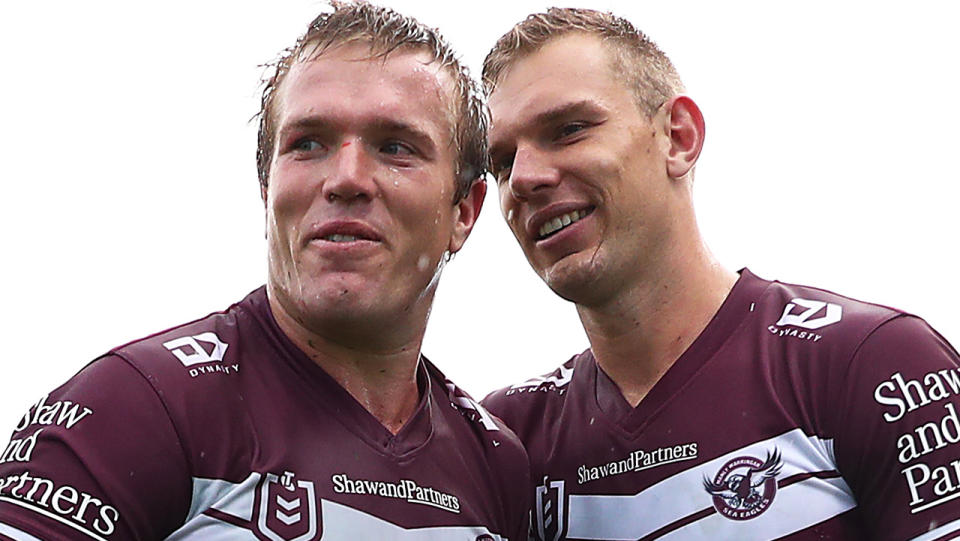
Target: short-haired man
711, 404
306, 409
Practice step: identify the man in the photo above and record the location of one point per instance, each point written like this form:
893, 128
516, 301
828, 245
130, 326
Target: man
711, 404
306, 409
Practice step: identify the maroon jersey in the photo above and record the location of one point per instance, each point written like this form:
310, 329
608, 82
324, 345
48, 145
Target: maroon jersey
223, 429
796, 414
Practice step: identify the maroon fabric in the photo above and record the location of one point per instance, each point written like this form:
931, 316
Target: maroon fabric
229, 399
786, 383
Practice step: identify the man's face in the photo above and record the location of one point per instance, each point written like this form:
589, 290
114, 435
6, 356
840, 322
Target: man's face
359, 202
580, 170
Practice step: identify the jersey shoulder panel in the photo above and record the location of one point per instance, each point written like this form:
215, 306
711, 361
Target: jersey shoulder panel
805, 308
179, 354
196, 368
528, 405
98, 456
898, 436
806, 339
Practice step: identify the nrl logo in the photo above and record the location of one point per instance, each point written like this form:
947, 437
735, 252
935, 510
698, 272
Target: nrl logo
550, 510
745, 486
288, 509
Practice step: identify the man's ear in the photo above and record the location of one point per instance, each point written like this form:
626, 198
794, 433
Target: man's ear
466, 212
686, 129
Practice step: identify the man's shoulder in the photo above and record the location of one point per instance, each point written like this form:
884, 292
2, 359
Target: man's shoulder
793, 313
466, 411
210, 343
188, 374
536, 396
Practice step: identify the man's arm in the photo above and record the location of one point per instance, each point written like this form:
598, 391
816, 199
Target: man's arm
897, 435
98, 458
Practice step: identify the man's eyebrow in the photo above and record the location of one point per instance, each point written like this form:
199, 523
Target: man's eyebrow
417, 134
305, 123
399, 126
566, 109
552, 115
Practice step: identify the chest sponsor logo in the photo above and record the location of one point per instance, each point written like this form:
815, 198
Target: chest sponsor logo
191, 353
636, 461
287, 509
405, 489
550, 507
745, 486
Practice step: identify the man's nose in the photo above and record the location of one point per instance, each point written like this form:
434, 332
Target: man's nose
532, 172
352, 176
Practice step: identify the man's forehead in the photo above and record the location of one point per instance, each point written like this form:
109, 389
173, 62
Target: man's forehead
406, 82
569, 55
549, 82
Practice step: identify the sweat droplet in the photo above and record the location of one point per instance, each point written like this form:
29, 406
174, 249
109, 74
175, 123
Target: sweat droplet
509, 215
396, 183
423, 263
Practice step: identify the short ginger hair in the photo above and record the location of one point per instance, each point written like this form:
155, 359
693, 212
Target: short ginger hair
647, 71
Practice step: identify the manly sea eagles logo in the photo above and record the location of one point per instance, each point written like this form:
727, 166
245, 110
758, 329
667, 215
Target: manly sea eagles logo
550, 512
745, 486
288, 509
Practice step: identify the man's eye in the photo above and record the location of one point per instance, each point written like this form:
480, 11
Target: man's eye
396, 148
306, 145
570, 129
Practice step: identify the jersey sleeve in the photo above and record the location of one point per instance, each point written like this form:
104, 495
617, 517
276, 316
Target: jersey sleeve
98, 458
897, 439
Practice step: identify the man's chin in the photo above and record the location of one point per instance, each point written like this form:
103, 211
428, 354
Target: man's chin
573, 278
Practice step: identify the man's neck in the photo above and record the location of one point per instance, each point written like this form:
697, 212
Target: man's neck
637, 336
381, 377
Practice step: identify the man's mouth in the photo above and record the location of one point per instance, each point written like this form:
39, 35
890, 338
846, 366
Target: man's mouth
340, 238
344, 231
558, 223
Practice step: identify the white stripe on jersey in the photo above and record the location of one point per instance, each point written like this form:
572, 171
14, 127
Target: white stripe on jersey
210, 529
682, 495
342, 522
938, 532
794, 508
338, 521
233, 498
14, 533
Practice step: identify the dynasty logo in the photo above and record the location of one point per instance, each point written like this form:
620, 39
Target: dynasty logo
814, 315
745, 486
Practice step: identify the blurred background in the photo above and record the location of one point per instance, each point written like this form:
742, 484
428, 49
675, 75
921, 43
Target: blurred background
131, 203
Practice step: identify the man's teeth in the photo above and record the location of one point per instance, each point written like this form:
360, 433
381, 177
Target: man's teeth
340, 238
560, 222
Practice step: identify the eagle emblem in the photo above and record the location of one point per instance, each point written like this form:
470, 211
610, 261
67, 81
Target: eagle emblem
745, 486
